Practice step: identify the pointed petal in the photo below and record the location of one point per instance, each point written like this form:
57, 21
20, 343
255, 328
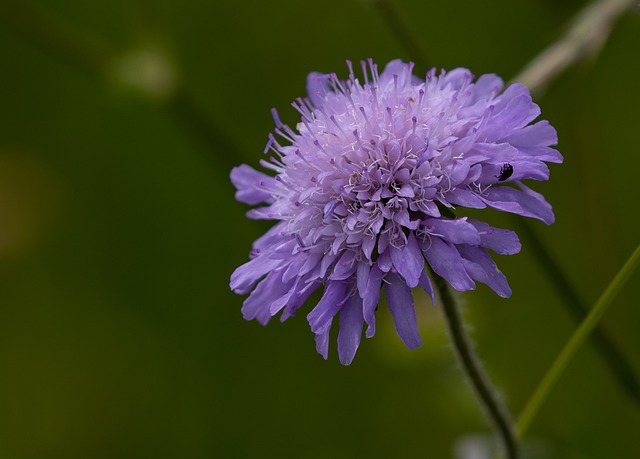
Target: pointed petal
456, 231
250, 183
540, 134
482, 268
322, 343
257, 305
317, 87
351, 321
526, 203
371, 299
502, 241
362, 278
334, 297
465, 198
245, 276
425, 284
409, 261
446, 262
298, 299
400, 303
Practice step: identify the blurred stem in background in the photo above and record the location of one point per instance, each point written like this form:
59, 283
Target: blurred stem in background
146, 71
582, 333
587, 35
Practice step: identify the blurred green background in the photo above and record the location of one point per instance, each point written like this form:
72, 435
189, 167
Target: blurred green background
119, 337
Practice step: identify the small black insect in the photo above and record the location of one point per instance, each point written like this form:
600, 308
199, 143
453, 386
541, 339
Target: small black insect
505, 172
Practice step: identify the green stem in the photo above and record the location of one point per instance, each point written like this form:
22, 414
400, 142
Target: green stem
620, 368
487, 395
553, 375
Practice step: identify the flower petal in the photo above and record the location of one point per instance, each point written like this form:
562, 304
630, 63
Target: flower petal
425, 284
409, 261
317, 87
335, 294
400, 302
245, 276
351, 321
502, 241
322, 342
298, 298
446, 262
371, 298
456, 231
481, 267
257, 305
528, 204
250, 184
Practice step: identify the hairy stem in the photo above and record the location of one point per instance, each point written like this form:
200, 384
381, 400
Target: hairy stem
487, 395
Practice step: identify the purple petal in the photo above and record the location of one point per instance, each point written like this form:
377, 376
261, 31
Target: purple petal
425, 284
351, 321
487, 86
317, 87
384, 261
529, 169
502, 241
400, 302
273, 237
298, 298
371, 299
456, 231
540, 134
257, 305
402, 69
345, 267
466, 198
362, 278
247, 180
322, 342
513, 109
409, 261
335, 294
245, 276
525, 203
446, 262
482, 268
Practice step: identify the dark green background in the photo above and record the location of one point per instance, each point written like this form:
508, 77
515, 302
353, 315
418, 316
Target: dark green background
119, 336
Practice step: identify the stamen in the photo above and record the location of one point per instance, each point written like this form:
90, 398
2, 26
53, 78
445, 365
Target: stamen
276, 118
363, 64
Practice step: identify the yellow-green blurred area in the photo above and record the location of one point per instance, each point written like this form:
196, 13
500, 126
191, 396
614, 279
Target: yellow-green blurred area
119, 337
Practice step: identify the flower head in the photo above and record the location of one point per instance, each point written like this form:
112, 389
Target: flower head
367, 191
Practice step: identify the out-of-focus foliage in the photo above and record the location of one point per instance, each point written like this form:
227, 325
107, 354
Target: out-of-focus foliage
119, 337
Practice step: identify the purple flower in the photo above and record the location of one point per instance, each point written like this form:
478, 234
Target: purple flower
367, 193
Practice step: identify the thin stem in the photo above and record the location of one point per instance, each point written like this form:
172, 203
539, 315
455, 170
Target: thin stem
620, 368
588, 33
581, 334
487, 395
